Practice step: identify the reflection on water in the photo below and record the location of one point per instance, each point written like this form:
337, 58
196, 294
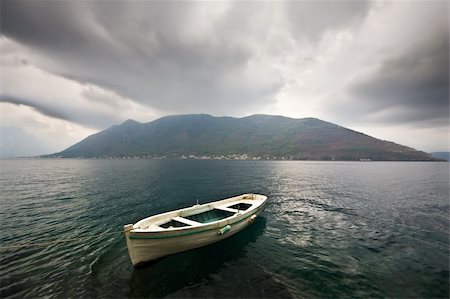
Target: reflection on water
183, 273
330, 229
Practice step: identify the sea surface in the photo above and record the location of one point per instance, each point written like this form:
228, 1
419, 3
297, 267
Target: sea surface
330, 229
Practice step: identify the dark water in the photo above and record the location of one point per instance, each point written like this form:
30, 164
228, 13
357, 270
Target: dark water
330, 230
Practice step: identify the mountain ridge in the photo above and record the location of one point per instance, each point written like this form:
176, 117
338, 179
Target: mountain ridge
256, 136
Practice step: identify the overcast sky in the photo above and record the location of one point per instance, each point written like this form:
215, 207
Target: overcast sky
72, 68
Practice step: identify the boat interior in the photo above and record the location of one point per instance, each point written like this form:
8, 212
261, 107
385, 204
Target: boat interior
199, 217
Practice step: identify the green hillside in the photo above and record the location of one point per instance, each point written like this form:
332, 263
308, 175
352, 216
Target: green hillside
253, 137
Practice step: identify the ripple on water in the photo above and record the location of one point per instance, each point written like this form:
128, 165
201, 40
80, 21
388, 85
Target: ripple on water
329, 230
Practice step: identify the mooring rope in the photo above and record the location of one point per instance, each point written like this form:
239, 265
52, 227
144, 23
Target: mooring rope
43, 244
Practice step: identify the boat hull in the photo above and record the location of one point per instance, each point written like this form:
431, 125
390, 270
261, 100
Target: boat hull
148, 246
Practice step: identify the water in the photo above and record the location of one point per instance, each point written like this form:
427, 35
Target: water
330, 229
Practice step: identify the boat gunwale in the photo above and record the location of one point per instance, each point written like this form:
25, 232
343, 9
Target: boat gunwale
209, 205
182, 233
139, 233
201, 225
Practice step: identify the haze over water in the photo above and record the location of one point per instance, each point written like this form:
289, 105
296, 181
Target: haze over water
330, 229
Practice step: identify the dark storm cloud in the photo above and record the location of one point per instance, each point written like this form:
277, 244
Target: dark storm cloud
44, 109
416, 84
162, 53
408, 79
182, 57
141, 50
91, 119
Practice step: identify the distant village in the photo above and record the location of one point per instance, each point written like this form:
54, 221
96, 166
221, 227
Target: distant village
221, 157
202, 157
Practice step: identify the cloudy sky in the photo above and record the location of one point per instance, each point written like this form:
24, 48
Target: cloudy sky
72, 68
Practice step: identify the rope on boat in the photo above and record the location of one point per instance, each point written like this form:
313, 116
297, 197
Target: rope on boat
43, 244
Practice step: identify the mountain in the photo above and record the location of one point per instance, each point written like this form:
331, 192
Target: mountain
256, 136
15, 142
441, 155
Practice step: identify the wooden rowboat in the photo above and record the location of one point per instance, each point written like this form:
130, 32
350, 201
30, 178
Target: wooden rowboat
188, 228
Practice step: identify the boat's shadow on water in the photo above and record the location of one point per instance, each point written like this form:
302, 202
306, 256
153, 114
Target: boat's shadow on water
170, 274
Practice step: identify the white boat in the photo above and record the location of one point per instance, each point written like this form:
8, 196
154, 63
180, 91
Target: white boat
193, 227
